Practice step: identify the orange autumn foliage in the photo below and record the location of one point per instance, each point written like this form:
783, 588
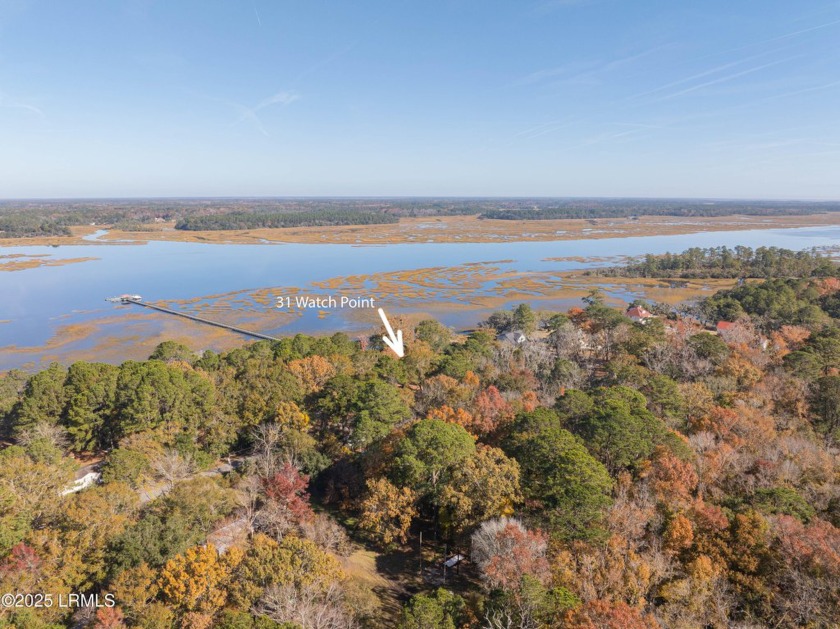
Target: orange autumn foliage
741, 365
491, 410
529, 401
312, 372
109, 618
827, 285
788, 338
471, 380
600, 614
679, 534
453, 416
719, 421
672, 481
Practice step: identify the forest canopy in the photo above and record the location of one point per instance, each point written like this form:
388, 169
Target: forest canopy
725, 262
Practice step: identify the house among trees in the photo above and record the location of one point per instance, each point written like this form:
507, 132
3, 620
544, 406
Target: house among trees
724, 326
82, 482
514, 337
638, 314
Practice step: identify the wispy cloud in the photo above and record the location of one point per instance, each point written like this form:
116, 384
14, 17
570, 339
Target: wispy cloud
777, 38
616, 137
724, 79
716, 73
805, 90
700, 75
568, 69
251, 114
802, 31
366, 34
546, 128
581, 71
8, 103
280, 98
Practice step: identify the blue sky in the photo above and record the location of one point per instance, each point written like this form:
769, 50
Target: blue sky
657, 98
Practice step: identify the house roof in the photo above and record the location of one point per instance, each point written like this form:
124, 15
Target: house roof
725, 325
639, 312
517, 336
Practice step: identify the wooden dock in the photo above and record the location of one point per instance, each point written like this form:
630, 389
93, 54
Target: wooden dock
232, 328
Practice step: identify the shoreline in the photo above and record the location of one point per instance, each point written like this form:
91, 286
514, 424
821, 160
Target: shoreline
21, 262
438, 229
133, 335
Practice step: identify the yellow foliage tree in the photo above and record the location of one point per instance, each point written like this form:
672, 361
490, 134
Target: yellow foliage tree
290, 417
387, 511
294, 561
135, 588
194, 580
486, 486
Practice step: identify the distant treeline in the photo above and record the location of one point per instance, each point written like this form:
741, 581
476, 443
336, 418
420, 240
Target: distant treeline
628, 208
48, 218
34, 219
22, 226
253, 220
723, 262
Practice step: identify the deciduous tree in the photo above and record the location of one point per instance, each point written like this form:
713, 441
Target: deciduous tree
312, 372
505, 551
387, 511
195, 580
485, 486
287, 502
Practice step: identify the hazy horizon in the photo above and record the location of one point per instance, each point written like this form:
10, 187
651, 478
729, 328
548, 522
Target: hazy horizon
405, 197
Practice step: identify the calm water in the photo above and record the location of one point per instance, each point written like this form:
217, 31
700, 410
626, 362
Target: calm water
35, 302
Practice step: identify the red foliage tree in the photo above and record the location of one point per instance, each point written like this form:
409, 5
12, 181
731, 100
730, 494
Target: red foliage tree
287, 489
21, 559
814, 548
827, 286
505, 551
109, 618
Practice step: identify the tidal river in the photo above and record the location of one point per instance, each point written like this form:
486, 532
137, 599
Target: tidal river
48, 311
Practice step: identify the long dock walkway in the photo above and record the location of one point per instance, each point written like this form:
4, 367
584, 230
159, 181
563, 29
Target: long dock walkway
225, 326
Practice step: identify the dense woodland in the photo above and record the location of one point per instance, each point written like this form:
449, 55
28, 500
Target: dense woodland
607, 474
313, 218
54, 218
723, 262
623, 208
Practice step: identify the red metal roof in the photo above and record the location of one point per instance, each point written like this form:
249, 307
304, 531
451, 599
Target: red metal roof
638, 311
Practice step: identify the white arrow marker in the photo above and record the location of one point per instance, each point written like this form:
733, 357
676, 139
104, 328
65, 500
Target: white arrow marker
395, 342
